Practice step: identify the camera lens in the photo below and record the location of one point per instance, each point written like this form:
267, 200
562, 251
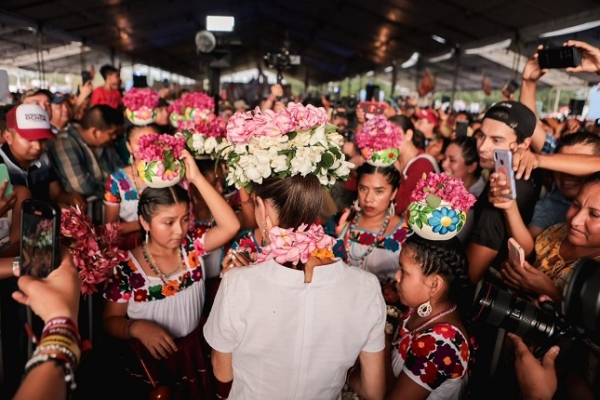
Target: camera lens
502, 309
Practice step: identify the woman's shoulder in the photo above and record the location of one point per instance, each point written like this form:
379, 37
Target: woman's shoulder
554, 233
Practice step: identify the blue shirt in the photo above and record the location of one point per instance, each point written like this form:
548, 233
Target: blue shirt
550, 210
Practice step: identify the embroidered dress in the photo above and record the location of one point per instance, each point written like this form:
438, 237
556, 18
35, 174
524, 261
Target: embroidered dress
177, 307
383, 260
436, 359
246, 241
122, 192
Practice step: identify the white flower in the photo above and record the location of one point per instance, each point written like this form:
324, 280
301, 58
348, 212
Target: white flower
248, 167
198, 143
302, 139
265, 142
344, 169
280, 163
302, 163
210, 144
318, 137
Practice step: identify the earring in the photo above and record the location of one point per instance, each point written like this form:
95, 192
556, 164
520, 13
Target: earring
392, 209
263, 242
424, 309
130, 159
147, 235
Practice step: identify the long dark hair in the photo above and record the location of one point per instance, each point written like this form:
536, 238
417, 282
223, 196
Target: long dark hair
468, 149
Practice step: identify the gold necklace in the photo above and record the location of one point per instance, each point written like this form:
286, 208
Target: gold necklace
150, 261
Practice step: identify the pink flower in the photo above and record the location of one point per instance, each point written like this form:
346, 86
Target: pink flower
306, 117
154, 147
451, 190
134, 99
237, 127
379, 133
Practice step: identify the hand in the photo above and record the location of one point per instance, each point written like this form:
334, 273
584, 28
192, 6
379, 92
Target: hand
8, 202
57, 295
573, 126
163, 93
532, 71
528, 278
590, 57
191, 169
537, 381
158, 341
343, 219
85, 90
277, 90
499, 189
524, 161
389, 111
234, 259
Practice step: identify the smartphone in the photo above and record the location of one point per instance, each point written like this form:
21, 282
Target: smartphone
503, 160
86, 76
462, 128
516, 254
511, 87
40, 230
372, 108
4, 175
559, 57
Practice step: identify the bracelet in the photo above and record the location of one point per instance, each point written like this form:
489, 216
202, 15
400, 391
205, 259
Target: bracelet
63, 323
58, 349
62, 331
59, 360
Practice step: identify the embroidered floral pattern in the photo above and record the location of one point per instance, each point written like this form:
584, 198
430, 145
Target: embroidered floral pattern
439, 353
119, 188
128, 283
391, 242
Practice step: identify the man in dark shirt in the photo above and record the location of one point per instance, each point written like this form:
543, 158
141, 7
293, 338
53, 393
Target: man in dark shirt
505, 126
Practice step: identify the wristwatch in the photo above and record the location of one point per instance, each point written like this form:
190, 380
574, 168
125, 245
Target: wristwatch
16, 263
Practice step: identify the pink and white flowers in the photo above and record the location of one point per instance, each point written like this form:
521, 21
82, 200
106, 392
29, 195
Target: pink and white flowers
94, 249
438, 187
295, 140
158, 159
287, 245
379, 140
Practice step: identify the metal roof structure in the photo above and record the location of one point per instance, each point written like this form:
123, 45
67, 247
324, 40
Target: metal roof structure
335, 38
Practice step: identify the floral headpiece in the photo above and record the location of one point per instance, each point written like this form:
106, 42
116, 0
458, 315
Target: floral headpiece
289, 246
158, 158
194, 117
94, 249
379, 141
439, 206
141, 105
295, 140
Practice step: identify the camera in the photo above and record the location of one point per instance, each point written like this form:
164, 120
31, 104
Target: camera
546, 326
349, 103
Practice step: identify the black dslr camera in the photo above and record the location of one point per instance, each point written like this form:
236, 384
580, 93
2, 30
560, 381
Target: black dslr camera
546, 326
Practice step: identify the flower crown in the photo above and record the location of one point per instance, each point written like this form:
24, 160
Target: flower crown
289, 246
294, 140
379, 140
158, 156
141, 105
191, 110
439, 206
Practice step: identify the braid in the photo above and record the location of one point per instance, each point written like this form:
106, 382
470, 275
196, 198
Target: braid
449, 260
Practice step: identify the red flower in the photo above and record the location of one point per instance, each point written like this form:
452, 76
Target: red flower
423, 345
464, 351
391, 155
458, 371
366, 238
140, 295
430, 375
403, 347
444, 330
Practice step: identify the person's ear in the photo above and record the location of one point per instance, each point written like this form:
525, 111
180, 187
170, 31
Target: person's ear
436, 285
526, 143
8, 136
145, 225
471, 168
408, 134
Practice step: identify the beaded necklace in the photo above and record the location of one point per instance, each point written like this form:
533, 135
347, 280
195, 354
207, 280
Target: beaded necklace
150, 261
361, 260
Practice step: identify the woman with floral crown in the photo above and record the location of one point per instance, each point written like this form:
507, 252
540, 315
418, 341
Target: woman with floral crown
293, 323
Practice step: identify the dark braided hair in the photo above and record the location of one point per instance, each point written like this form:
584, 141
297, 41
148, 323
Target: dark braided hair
448, 259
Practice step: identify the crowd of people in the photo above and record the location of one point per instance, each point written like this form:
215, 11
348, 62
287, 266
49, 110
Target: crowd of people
300, 285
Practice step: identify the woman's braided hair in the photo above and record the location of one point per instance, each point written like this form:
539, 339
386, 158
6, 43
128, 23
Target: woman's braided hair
448, 259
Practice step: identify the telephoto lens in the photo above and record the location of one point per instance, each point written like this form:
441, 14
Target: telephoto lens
504, 310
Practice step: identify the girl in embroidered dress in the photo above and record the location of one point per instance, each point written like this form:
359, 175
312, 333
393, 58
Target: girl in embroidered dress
429, 357
123, 190
155, 299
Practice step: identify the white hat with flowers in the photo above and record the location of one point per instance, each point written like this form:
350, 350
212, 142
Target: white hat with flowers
295, 140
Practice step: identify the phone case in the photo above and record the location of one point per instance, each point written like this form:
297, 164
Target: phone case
40, 235
5, 175
515, 252
503, 165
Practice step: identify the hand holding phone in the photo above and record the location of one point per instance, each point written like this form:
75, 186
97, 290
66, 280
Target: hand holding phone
516, 254
503, 164
372, 108
462, 128
559, 58
40, 230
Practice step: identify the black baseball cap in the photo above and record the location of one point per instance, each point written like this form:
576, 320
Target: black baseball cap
514, 114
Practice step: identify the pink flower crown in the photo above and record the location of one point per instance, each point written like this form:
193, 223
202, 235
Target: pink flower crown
296, 247
437, 187
135, 98
379, 135
155, 147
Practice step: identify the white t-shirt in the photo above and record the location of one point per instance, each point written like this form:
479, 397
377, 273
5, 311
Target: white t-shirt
295, 340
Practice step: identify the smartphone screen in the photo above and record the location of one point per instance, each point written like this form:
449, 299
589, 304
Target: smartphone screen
86, 76
372, 108
462, 128
39, 238
5, 176
503, 165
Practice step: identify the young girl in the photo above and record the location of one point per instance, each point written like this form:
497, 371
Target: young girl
123, 190
155, 298
430, 350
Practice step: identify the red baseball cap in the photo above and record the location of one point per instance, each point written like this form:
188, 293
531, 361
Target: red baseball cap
429, 115
30, 121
